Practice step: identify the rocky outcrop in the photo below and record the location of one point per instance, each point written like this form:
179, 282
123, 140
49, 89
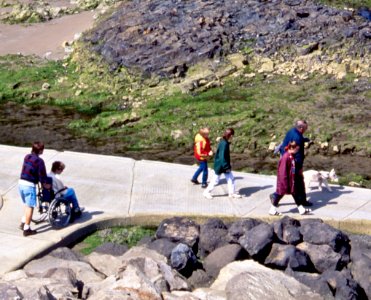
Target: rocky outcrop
167, 37
271, 267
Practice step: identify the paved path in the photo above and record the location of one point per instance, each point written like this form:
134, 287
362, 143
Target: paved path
119, 190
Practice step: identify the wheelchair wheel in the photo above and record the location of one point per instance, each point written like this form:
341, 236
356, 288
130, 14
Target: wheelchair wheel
41, 214
59, 213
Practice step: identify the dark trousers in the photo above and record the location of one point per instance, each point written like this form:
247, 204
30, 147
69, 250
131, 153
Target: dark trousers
202, 169
299, 195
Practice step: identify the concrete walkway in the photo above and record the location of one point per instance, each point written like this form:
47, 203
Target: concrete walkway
120, 191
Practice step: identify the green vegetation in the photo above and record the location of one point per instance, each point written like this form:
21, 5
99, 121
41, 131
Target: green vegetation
259, 108
41, 11
129, 236
347, 3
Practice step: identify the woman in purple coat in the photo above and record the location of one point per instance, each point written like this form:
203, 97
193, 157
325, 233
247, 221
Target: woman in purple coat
286, 184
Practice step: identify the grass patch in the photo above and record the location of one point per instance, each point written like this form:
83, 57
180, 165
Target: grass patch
129, 236
347, 3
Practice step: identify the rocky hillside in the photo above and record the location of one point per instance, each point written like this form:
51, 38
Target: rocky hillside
167, 37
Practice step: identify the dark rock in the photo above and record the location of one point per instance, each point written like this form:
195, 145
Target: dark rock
315, 281
361, 271
222, 256
200, 278
112, 249
179, 229
66, 254
213, 234
178, 34
240, 227
183, 259
283, 256
318, 233
287, 230
162, 246
322, 256
258, 241
344, 285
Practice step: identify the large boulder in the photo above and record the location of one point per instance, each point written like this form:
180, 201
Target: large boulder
240, 228
249, 280
258, 241
319, 233
283, 256
40, 267
213, 234
322, 256
287, 230
183, 259
343, 285
179, 229
162, 246
223, 256
360, 268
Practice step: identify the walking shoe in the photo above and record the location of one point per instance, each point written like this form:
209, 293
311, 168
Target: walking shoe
273, 211
195, 181
271, 197
78, 212
21, 226
207, 195
303, 210
235, 195
28, 232
204, 185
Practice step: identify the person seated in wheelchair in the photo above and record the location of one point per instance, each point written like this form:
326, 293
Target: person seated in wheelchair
61, 190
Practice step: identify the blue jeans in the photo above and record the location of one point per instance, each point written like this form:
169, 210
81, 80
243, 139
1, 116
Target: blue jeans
202, 169
70, 195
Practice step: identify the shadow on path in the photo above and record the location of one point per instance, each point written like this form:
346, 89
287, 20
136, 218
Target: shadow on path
248, 191
320, 198
86, 216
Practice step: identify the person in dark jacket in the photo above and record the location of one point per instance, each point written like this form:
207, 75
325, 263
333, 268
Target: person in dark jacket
33, 172
222, 165
286, 180
296, 134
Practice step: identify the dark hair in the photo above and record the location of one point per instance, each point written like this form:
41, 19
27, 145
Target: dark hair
291, 145
301, 124
228, 133
57, 165
37, 147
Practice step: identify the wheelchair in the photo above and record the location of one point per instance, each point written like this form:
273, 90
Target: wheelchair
52, 207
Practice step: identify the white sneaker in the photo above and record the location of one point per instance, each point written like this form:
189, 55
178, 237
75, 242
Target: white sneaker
207, 195
273, 211
235, 195
303, 210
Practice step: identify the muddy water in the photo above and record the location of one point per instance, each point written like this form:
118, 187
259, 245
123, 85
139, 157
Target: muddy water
20, 125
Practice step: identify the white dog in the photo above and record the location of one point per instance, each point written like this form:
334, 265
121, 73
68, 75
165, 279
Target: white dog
319, 177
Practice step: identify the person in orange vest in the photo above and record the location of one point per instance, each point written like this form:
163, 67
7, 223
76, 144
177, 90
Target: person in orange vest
202, 152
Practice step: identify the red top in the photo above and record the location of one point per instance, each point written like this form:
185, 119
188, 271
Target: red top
286, 174
201, 147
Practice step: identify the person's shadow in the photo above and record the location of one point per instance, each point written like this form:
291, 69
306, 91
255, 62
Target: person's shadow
86, 216
322, 198
248, 191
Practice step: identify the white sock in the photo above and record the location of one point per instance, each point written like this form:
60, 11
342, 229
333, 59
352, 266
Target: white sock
301, 209
26, 227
